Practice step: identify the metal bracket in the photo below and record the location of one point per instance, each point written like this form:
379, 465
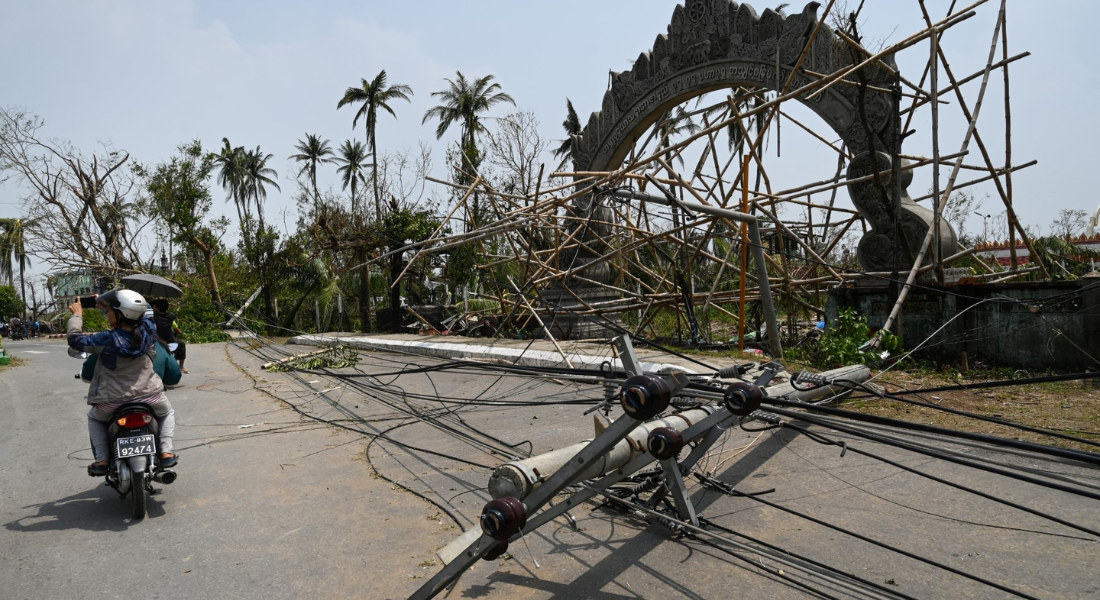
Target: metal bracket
674, 482
768, 371
629, 359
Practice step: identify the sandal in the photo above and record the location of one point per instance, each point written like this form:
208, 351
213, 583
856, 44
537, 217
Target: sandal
97, 469
167, 462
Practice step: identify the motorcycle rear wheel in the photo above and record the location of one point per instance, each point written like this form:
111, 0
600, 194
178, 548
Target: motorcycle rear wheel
138, 496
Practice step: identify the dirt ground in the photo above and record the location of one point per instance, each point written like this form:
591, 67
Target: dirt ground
1069, 407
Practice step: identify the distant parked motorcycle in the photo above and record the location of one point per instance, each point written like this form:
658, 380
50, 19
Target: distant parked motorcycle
135, 452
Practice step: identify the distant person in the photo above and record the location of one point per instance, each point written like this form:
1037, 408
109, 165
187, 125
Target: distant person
167, 330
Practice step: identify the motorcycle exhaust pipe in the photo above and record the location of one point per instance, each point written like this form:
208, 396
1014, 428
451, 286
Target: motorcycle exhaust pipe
166, 477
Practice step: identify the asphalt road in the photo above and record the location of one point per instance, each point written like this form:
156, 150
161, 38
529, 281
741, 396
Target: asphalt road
271, 504
266, 506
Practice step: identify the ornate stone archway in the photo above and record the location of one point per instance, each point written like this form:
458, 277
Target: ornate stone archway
718, 44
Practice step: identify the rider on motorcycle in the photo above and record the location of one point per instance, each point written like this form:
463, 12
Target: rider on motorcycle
124, 372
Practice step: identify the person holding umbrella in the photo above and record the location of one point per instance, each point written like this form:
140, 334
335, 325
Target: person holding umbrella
167, 330
157, 286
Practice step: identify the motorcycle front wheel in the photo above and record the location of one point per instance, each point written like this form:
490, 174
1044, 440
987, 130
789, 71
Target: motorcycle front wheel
138, 496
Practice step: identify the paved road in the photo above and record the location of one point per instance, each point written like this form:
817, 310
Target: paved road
288, 508
279, 509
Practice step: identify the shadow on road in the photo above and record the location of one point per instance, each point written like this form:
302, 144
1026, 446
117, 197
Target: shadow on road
97, 509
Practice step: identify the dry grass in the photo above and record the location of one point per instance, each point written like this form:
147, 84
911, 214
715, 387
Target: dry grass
1070, 408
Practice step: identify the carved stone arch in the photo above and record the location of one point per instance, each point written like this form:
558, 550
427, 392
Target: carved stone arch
717, 44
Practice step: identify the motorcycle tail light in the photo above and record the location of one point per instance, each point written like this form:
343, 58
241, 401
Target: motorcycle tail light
135, 420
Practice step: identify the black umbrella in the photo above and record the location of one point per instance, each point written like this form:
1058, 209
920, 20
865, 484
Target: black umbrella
152, 285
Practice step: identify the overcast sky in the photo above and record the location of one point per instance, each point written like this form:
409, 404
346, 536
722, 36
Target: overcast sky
149, 75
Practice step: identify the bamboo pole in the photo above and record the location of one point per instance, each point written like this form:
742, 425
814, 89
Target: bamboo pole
744, 254
947, 191
1008, 136
1012, 219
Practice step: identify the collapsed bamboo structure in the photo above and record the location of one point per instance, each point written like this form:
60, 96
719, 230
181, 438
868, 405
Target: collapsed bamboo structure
542, 254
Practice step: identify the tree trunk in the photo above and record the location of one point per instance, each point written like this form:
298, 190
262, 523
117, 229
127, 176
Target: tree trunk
215, 293
208, 260
316, 192
374, 179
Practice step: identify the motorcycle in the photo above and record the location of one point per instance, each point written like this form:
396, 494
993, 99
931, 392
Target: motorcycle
135, 456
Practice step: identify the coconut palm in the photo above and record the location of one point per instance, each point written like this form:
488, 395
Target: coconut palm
374, 95
231, 176
464, 102
13, 250
572, 126
311, 152
352, 159
256, 177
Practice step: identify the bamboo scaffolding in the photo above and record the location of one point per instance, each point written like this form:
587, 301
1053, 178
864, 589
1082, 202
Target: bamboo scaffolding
658, 256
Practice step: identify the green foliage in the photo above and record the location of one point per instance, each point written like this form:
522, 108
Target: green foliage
839, 346
10, 304
482, 304
196, 314
94, 321
1063, 258
403, 225
461, 264
337, 358
180, 194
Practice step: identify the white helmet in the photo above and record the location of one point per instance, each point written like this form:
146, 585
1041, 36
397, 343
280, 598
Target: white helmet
131, 304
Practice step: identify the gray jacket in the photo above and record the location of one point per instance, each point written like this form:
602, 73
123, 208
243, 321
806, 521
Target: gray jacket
131, 379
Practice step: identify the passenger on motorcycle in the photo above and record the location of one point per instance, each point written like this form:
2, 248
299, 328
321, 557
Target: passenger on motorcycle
124, 372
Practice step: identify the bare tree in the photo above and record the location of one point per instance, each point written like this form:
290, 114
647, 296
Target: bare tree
958, 210
401, 175
1069, 223
516, 148
85, 210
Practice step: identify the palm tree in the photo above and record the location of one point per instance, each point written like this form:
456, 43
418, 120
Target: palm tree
373, 95
312, 152
463, 103
13, 250
257, 176
572, 126
231, 176
352, 160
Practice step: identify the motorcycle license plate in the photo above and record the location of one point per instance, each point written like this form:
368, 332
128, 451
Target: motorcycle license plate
135, 446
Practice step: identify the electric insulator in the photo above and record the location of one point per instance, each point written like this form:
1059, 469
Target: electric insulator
610, 390
812, 378
502, 518
496, 552
665, 442
645, 396
645, 486
743, 398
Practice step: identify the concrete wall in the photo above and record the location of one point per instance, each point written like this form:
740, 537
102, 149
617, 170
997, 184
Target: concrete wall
1023, 325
